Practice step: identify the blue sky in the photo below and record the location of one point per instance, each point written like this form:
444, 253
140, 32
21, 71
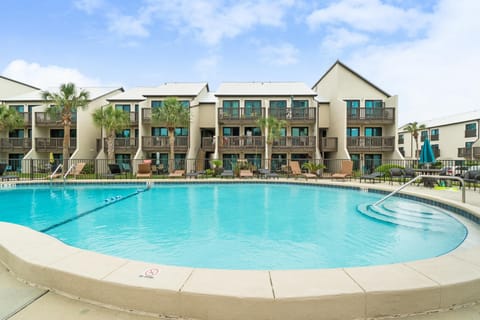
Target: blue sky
425, 51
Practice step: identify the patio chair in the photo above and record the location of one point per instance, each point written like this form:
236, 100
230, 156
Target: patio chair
195, 174
3, 168
471, 177
266, 173
144, 170
115, 170
77, 169
297, 172
396, 173
346, 170
177, 174
372, 177
246, 174
227, 174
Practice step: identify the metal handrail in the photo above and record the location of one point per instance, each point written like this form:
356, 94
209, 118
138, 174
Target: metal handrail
68, 171
424, 176
55, 171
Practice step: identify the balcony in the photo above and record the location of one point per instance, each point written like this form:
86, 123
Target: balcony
239, 115
241, 142
147, 116
27, 118
370, 116
470, 153
470, 133
370, 144
306, 144
53, 144
434, 137
208, 144
13, 145
294, 115
45, 119
328, 144
162, 144
128, 145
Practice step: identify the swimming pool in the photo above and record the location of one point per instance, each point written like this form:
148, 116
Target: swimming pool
234, 226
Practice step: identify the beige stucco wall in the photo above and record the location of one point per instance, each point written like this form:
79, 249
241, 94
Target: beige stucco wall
11, 88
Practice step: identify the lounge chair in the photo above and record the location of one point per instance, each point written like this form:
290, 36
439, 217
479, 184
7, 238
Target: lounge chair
177, 173
372, 177
227, 174
144, 170
297, 172
77, 169
115, 170
471, 177
396, 173
266, 173
3, 167
346, 170
194, 174
246, 174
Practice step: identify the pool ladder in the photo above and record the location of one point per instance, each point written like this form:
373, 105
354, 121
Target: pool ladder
462, 183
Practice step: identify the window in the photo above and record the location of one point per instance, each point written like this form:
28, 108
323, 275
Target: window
373, 132
278, 160
401, 139
299, 131
353, 103
469, 144
124, 107
300, 104
231, 131
373, 104
434, 134
253, 131
123, 134
402, 151
179, 161
424, 135
356, 161
279, 104
352, 108
254, 159
253, 108
185, 103
159, 132
17, 133
122, 158
229, 160
353, 132
19, 108
181, 131
470, 130
372, 161
231, 109
156, 104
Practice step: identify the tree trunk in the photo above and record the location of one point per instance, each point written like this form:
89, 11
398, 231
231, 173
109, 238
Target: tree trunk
268, 161
171, 138
66, 141
111, 147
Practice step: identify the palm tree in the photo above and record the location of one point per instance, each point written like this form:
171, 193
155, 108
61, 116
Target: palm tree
10, 119
413, 128
113, 121
271, 128
65, 103
171, 114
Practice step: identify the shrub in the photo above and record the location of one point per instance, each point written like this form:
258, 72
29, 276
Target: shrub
385, 168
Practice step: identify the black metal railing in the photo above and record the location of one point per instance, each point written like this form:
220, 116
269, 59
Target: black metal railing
370, 143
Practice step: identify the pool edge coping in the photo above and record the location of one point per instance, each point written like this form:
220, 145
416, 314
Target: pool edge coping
375, 291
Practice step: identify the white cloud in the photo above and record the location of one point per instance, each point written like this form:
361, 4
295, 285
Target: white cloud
46, 76
209, 20
89, 6
207, 66
341, 38
280, 55
435, 76
369, 16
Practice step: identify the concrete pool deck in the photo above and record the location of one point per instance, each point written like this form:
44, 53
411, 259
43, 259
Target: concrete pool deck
409, 288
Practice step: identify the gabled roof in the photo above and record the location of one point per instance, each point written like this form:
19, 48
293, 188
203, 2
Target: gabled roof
338, 62
22, 83
36, 96
208, 98
133, 94
174, 89
264, 89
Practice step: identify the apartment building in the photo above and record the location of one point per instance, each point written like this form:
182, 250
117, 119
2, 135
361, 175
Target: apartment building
360, 115
344, 116
452, 138
42, 134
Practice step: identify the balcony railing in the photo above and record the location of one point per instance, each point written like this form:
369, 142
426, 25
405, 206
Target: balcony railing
300, 143
147, 116
53, 144
470, 133
434, 137
294, 114
328, 144
163, 143
27, 118
45, 119
371, 115
240, 114
469, 153
436, 152
208, 143
370, 143
15, 144
241, 142
123, 144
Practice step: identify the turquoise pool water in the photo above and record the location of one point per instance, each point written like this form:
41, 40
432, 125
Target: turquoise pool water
235, 226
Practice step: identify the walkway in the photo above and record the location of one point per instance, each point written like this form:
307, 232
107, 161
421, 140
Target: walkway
19, 301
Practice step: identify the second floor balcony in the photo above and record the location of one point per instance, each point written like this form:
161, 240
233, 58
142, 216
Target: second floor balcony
46, 119
370, 144
371, 115
470, 133
329, 144
240, 115
208, 143
469, 153
303, 143
20, 145
53, 144
127, 145
241, 142
162, 144
299, 115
